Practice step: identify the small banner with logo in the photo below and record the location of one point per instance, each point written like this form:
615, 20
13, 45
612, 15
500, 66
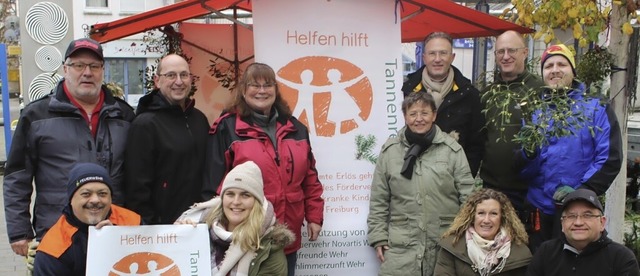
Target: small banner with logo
149, 250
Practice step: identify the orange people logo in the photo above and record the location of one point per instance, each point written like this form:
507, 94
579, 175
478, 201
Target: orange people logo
326, 94
145, 263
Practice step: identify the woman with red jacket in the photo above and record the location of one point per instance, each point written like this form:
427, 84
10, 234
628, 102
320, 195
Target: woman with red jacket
258, 126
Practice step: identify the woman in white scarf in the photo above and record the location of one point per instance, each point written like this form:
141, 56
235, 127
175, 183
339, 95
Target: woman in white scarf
485, 238
244, 236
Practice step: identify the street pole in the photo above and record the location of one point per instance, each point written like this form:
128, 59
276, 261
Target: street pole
6, 113
480, 52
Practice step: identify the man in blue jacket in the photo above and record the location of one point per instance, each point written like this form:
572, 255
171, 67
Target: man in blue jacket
589, 158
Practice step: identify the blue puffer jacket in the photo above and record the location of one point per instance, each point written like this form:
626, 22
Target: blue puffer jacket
584, 160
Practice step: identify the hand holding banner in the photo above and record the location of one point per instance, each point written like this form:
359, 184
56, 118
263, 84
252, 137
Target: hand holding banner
149, 250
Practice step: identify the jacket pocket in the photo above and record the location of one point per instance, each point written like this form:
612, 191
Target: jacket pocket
400, 231
295, 197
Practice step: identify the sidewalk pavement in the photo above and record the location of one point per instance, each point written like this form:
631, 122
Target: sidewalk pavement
10, 263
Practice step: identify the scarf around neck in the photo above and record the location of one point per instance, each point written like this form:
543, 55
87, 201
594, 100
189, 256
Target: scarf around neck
418, 143
437, 89
236, 262
488, 256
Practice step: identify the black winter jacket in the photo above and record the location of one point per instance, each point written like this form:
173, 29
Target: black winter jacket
51, 137
164, 159
603, 257
461, 112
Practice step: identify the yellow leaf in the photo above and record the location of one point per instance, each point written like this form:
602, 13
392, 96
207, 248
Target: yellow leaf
548, 38
617, 3
583, 42
606, 11
573, 12
577, 30
537, 36
627, 29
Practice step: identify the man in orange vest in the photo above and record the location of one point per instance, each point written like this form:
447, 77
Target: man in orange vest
63, 249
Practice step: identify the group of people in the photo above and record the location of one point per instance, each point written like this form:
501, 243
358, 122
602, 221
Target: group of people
425, 219
92, 161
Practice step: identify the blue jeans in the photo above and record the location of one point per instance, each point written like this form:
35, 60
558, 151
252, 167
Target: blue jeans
291, 263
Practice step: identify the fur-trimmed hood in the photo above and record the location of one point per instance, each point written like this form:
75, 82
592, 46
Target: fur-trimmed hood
280, 237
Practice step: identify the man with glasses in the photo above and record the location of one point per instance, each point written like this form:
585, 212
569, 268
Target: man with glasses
499, 171
80, 121
584, 248
166, 147
457, 101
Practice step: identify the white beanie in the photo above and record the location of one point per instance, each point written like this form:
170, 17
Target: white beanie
246, 176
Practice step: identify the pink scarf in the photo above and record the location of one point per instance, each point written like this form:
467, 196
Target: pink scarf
488, 256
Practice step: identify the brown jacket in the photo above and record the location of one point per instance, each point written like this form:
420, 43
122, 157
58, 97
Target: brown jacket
453, 260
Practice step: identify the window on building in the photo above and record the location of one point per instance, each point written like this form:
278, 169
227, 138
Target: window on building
126, 73
98, 3
131, 6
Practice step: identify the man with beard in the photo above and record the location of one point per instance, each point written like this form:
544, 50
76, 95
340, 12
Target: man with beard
63, 250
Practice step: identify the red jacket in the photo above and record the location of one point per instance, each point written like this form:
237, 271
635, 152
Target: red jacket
288, 168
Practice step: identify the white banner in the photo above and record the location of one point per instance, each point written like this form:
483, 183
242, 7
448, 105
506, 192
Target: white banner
339, 66
149, 250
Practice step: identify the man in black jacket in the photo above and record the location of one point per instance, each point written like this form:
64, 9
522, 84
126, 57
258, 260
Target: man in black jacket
584, 249
166, 147
457, 101
80, 121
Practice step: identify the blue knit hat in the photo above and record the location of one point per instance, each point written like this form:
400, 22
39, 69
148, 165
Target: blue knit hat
83, 173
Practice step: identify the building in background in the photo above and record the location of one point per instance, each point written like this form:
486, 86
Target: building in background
48, 27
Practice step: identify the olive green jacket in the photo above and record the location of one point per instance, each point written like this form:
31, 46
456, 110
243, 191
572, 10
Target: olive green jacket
410, 215
270, 259
453, 260
498, 166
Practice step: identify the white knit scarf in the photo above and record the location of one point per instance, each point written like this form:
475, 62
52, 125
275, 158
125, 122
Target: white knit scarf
437, 89
488, 256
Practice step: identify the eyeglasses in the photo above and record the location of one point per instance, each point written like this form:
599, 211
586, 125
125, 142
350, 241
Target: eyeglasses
419, 114
263, 86
511, 51
173, 75
574, 217
435, 54
79, 66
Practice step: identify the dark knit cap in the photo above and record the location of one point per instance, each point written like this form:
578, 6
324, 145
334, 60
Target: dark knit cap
83, 173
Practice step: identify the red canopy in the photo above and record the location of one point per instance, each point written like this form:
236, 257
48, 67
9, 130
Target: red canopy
419, 18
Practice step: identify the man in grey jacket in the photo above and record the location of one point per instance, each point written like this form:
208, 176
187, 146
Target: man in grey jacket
80, 121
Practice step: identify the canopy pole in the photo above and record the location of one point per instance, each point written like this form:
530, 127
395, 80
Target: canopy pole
480, 52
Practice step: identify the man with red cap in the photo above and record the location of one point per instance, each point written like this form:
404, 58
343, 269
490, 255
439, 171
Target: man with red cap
80, 121
589, 158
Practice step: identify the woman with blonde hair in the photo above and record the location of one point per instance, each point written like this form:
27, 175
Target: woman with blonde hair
244, 235
485, 238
